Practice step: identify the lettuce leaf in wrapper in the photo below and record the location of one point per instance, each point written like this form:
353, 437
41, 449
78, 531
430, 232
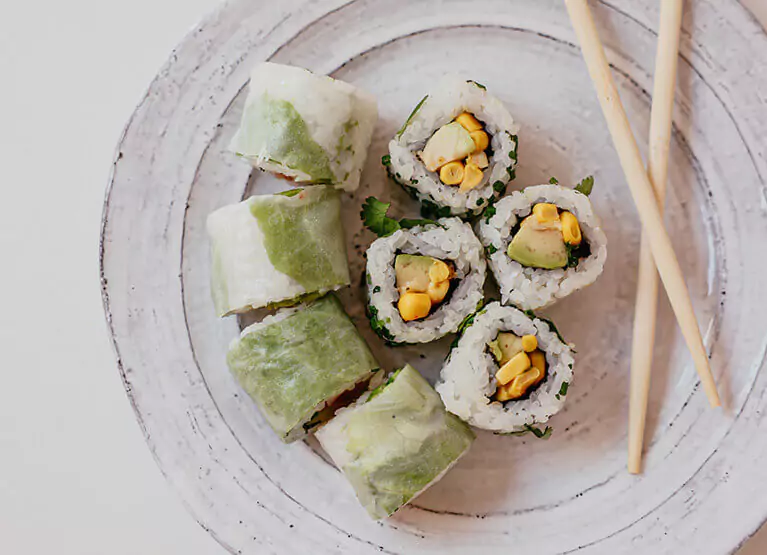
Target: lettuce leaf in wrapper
292, 365
395, 444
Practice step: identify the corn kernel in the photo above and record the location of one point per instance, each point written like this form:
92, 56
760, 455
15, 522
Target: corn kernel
481, 140
529, 343
516, 366
545, 212
413, 306
478, 158
571, 229
439, 271
472, 176
503, 393
524, 381
538, 360
451, 173
469, 122
438, 291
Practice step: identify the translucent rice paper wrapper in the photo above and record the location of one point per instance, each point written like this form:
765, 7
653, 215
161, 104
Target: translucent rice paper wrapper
311, 128
277, 250
395, 443
295, 363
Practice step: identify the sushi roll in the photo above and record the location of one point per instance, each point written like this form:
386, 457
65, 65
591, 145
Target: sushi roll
303, 364
424, 280
307, 128
508, 372
543, 243
457, 151
277, 250
395, 442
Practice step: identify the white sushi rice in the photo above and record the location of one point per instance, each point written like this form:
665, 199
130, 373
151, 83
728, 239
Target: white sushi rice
452, 97
452, 241
468, 380
533, 288
339, 117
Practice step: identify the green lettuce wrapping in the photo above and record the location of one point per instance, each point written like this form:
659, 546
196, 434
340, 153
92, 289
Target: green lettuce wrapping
395, 444
293, 364
277, 250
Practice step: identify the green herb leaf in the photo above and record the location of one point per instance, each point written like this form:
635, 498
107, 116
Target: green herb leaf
434, 211
554, 181
480, 85
386, 159
489, 212
499, 187
374, 216
548, 322
586, 185
412, 115
378, 390
563, 389
406, 223
576, 252
491, 250
378, 325
537, 432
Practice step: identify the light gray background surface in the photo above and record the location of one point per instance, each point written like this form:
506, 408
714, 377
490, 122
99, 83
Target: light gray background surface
75, 474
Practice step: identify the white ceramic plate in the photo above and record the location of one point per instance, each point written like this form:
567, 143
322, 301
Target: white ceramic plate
705, 485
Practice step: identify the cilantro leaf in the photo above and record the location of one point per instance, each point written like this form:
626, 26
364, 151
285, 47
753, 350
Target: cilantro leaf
480, 85
554, 181
374, 216
386, 159
563, 389
407, 223
586, 185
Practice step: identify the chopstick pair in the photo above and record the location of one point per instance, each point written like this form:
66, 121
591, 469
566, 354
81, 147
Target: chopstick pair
648, 192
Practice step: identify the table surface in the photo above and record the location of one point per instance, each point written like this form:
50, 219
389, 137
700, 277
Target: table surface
75, 474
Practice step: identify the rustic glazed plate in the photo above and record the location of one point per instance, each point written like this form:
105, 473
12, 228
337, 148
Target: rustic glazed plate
705, 485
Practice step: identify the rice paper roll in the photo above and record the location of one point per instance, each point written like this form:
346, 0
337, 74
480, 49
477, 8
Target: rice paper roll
395, 443
449, 241
415, 162
468, 382
277, 250
528, 286
302, 364
310, 128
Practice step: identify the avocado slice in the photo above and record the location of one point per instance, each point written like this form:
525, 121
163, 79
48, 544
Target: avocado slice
412, 272
450, 142
505, 347
538, 248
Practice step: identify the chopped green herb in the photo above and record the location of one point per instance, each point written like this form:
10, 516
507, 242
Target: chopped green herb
489, 212
576, 252
586, 185
491, 250
480, 201
412, 115
512, 173
563, 389
548, 322
408, 223
554, 181
545, 434
432, 210
480, 85
386, 159
377, 289
499, 187
378, 326
374, 216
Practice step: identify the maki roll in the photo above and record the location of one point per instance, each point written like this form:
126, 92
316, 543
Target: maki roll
395, 443
424, 280
277, 250
543, 243
307, 128
303, 364
457, 151
508, 371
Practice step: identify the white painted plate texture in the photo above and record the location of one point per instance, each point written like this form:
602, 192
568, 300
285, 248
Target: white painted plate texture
705, 485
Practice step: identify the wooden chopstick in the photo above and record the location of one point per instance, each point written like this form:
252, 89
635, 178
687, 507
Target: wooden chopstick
647, 280
641, 190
